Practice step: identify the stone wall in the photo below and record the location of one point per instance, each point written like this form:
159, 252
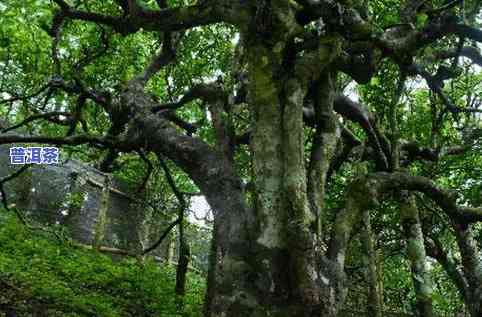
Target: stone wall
71, 193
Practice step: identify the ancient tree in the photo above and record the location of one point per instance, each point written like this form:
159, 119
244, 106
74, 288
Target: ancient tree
279, 110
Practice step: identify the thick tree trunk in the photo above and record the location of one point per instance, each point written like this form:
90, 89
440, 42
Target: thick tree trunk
323, 148
234, 276
277, 270
416, 255
374, 300
265, 260
285, 244
472, 267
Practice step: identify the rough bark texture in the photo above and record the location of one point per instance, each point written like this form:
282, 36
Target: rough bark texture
374, 300
267, 259
323, 148
472, 267
416, 255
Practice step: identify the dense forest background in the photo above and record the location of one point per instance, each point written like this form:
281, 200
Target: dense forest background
336, 144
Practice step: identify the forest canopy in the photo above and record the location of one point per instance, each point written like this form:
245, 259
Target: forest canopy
337, 143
